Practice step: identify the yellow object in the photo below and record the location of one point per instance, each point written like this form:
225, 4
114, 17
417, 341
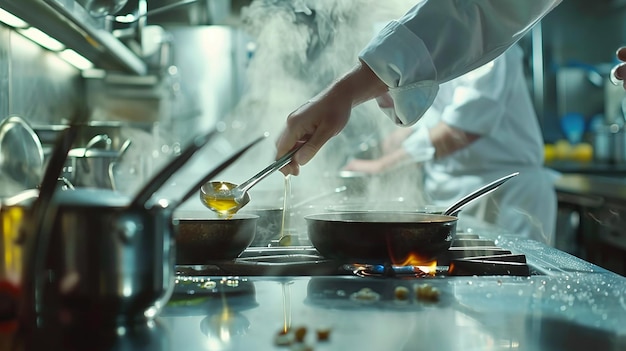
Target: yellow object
549, 153
563, 149
10, 229
582, 152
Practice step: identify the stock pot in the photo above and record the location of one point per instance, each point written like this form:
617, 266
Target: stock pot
96, 256
102, 249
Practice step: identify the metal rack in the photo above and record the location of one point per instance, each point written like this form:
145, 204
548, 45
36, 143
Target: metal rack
69, 23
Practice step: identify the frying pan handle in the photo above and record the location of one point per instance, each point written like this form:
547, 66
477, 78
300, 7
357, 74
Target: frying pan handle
457, 206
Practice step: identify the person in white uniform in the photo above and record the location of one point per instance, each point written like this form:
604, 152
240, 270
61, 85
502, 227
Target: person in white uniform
481, 126
435, 41
404, 64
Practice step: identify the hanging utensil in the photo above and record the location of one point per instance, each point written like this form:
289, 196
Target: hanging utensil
120, 156
227, 198
21, 153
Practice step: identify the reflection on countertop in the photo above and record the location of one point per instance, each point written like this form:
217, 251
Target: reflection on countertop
590, 167
595, 188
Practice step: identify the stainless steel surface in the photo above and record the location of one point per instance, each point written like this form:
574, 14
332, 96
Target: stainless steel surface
476, 194
100, 8
239, 193
565, 304
132, 18
568, 304
593, 207
91, 166
71, 24
194, 13
21, 153
112, 165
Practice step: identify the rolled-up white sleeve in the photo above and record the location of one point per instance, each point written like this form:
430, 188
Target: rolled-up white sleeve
438, 40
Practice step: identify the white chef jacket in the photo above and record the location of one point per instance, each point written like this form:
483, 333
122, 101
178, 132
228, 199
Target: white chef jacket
492, 101
438, 40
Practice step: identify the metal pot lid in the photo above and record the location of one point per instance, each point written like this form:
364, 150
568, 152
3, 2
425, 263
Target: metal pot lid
21, 153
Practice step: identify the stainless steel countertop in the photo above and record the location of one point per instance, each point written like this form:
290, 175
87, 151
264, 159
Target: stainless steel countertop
571, 312
571, 305
594, 187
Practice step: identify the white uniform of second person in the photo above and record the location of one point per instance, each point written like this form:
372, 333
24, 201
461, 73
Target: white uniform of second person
493, 102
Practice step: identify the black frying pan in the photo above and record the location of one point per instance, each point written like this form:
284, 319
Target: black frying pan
200, 240
389, 236
381, 237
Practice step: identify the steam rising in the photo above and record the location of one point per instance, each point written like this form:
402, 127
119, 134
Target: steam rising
300, 47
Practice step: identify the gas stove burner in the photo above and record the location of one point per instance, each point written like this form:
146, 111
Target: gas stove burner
387, 270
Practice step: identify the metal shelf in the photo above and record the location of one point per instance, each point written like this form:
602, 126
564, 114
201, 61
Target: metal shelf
69, 23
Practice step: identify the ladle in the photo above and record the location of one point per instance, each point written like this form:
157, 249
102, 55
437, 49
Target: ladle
482, 191
157, 181
226, 198
142, 199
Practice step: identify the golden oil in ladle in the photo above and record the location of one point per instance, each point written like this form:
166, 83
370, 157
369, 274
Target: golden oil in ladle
221, 200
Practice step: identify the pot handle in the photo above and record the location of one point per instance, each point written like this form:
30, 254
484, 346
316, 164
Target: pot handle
93, 142
112, 165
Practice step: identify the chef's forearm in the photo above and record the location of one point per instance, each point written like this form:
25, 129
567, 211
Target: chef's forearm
359, 85
447, 139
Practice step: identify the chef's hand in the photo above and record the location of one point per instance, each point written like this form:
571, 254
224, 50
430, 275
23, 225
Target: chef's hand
324, 116
619, 71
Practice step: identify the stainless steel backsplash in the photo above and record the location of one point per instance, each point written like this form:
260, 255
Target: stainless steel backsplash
36, 84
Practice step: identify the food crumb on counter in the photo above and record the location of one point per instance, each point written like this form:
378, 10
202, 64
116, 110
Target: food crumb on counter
283, 338
295, 338
365, 294
401, 293
299, 334
323, 334
426, 292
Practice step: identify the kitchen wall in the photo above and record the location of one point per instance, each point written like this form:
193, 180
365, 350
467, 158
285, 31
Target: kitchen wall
36, 84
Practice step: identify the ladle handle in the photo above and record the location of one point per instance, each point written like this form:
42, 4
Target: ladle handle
278, 164
454, 208
220, 168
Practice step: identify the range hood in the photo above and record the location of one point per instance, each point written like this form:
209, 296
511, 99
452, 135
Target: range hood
69, 23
